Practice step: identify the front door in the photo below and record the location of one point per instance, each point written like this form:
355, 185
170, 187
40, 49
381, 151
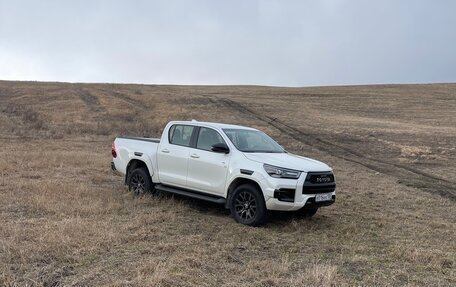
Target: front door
207, 170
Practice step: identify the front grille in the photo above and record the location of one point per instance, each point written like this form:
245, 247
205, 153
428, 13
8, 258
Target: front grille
319, 182
320, 177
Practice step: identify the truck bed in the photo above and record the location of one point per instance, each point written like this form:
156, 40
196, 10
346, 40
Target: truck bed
128, 148
154, 140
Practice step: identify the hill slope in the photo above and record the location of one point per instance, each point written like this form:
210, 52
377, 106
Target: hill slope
69, 220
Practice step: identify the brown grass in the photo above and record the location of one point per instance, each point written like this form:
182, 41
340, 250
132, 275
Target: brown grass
67, 220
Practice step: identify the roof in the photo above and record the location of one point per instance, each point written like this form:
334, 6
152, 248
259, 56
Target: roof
213, 125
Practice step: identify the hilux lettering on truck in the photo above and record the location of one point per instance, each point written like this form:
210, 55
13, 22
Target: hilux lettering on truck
237, 166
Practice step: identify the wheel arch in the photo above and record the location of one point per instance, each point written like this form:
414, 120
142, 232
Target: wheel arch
238, 181
134, 164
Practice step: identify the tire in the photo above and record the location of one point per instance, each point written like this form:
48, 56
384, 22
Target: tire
139, 181
247, 205
307, 212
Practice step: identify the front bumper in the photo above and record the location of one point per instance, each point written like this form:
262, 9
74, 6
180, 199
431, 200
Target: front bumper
308, 200
272, 188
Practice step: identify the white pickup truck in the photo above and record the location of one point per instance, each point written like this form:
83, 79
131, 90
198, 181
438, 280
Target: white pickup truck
237, 166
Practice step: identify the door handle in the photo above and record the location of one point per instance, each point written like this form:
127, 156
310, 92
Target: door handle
194, 155
165, 150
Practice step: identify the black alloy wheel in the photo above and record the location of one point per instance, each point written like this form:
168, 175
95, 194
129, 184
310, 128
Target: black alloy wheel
140, 181
247, 205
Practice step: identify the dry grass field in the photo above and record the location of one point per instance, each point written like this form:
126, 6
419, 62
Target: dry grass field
66, 219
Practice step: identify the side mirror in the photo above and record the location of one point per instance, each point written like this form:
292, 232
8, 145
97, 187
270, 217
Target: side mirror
220, 148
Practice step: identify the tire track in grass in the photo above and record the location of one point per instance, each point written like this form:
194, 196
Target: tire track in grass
135, 112
91, 101
405, 175
127, 99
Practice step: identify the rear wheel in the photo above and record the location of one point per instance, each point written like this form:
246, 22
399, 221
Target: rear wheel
139, 181
247, 205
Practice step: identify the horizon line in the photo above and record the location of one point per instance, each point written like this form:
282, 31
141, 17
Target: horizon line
231, 85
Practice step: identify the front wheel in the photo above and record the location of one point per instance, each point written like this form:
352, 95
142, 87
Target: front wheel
139, 181
247, 205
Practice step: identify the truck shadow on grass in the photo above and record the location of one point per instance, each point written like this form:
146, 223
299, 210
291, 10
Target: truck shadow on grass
275, 218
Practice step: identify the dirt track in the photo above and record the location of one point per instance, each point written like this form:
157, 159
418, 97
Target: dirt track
405, 174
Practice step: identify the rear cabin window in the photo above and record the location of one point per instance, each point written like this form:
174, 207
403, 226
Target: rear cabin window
180, 135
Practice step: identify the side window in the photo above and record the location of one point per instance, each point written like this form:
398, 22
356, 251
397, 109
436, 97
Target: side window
207, 138
180, 135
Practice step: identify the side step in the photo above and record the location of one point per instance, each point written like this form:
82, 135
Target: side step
190, 193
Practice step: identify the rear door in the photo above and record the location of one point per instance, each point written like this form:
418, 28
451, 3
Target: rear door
207, 170
173, 154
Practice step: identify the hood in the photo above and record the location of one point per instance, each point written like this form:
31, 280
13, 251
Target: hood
287, 160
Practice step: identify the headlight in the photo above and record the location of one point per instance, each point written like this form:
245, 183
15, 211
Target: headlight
281, 172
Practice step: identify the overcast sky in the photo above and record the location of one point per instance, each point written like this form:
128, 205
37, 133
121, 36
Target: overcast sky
282, 43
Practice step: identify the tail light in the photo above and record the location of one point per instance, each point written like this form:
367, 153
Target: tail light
113, 150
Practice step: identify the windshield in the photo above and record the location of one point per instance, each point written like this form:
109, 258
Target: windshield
252, 141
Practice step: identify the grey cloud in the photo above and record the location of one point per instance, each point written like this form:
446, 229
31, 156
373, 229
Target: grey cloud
294, 43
